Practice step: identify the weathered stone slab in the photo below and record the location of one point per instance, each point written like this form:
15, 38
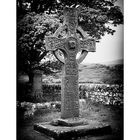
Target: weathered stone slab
63, 132
69, 122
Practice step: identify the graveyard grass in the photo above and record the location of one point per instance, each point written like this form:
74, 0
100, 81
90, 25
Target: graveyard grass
93, 111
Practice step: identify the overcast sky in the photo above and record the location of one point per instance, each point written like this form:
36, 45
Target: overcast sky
110, 47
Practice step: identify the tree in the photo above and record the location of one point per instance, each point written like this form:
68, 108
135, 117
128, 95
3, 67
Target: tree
30, 41
39, 18
31, 30
98, 15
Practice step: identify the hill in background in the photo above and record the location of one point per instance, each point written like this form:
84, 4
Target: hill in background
106, 73
114, 62
98, 73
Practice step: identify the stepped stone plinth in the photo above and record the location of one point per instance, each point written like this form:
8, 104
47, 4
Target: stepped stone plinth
68, 129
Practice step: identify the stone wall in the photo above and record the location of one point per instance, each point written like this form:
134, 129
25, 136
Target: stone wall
99, 93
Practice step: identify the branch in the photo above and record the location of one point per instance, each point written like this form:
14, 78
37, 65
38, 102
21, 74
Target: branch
42, 55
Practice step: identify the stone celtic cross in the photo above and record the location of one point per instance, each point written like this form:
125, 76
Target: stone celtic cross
70, 46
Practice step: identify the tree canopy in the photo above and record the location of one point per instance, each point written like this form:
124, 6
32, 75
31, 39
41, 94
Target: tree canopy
30, 40
97, 15
39, 18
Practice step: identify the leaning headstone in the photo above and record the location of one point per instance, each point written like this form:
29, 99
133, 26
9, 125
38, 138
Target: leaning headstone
70, 124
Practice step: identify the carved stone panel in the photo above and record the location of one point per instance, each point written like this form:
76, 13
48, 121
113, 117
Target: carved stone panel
71, 66
71, 19
88, 45
70, 97
53, 43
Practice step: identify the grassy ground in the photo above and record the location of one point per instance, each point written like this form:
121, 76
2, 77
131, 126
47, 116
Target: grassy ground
95, 73
110, 114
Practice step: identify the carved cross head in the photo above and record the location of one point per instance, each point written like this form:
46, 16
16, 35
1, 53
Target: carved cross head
71, 43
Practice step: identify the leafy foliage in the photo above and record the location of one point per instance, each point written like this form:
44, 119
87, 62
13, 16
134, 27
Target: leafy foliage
97, 15
98, 21
31, 30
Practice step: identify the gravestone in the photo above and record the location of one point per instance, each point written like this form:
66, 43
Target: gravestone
70, 46
70, 124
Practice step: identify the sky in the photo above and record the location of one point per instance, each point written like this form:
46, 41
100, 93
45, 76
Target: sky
110, 47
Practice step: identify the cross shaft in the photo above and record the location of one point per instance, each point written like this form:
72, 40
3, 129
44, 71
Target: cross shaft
70, 46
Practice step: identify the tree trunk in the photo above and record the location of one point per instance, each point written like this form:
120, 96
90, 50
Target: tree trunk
31, 76
37, 91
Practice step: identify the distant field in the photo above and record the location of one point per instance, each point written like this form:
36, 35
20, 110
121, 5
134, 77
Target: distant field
106, 73
97, 73
94, 73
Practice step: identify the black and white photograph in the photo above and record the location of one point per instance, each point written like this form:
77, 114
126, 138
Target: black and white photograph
70, 70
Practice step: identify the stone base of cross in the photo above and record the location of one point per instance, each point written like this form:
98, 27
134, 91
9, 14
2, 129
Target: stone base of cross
70, 46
